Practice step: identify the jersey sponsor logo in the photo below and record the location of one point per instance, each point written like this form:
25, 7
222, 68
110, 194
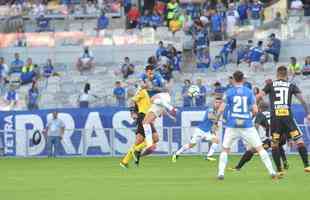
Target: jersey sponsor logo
282, 112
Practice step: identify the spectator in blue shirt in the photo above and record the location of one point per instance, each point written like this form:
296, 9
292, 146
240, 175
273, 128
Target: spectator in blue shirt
145, 20
217, 26
227, 49
187, 100
217, 63
177, 60
28, 72
166, 72
43, 24
255, 13
218, 89
243, 12
48, 68
127, 68
256, 55
16, 65
200, 34
274, 47
120, 94
161, 50
153, 81
230, 83
155, 20
11, 97
203, 60
127, 5
33, 97
243, 54
200, 100
102, 24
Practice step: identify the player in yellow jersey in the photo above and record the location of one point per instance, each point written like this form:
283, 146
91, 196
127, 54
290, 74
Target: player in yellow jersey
141, 104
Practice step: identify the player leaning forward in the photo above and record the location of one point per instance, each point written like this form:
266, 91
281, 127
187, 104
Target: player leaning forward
241, 105
206, 131
282, 122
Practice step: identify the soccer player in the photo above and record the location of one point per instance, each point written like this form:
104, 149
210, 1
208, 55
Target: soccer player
241, 105
262, 125
282, 121
141, 104
161, 104
204, 132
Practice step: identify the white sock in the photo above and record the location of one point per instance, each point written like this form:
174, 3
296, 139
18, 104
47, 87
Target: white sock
182, 149
222, 163
266, 160
212, 149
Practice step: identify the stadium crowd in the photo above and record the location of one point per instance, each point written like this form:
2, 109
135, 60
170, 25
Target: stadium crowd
210, 21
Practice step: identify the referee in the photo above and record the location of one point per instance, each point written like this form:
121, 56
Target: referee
55, 131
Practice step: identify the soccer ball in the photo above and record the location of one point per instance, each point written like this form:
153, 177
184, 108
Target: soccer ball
193, 91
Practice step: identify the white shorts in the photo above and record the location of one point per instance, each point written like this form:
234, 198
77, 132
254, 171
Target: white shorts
200, 135
158, 101
249, 135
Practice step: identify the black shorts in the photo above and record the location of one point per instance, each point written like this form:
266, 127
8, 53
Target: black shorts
140, 129
284, 128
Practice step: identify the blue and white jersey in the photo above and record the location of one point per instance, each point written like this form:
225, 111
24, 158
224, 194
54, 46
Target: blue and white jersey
256, 9
255, 54
157, 81
239, 102
206, 123
201, 39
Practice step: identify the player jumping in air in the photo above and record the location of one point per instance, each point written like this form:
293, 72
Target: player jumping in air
282, 122
141, 103
241, 105
204, 132
262, 125
161, 104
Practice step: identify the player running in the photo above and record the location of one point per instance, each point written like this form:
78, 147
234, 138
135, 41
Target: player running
241, 105
141, 104
282, 121
262, 125
205, 131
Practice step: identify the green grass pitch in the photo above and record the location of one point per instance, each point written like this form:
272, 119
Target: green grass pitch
191, 178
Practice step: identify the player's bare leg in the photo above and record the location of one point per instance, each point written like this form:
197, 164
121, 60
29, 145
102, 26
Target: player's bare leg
150, 149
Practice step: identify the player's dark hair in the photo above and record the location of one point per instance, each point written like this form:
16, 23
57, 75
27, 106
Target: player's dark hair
282, 71
148, 67
219, 98
238, 76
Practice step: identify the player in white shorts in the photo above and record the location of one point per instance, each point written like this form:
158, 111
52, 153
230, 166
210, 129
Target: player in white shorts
241, 105
161, 104
206, 131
